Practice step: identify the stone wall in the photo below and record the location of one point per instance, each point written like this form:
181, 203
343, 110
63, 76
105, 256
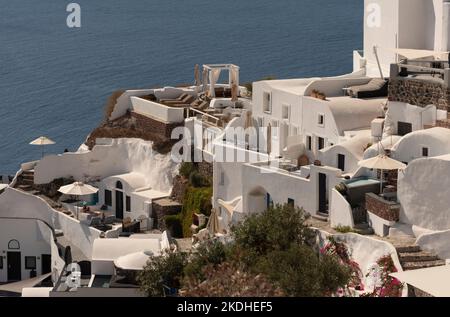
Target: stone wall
180, 185
205, 169
419, 93
152, 125
161, 208
387, 210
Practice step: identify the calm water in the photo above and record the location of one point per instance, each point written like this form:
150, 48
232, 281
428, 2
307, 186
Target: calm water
55, 80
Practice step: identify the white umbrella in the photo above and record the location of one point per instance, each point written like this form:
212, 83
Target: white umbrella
382, 162
133, 261
78, 189
42, 141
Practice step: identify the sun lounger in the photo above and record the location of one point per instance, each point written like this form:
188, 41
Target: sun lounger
185, 101
376, 87
181, 97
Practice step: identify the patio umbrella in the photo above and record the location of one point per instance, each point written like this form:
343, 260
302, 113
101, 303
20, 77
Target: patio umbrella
197, 75
133, 261
78, 189
382, 162
42, 141
213, 222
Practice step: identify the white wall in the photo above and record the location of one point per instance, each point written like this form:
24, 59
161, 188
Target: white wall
312, 108
120, 157
423, 193
383, 35
341, 213
436, 242
232, 171
124, 104
400, 111
15, 203
32, 243
158, 111
365, 251
282, 185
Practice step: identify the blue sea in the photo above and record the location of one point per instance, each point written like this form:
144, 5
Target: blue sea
54, 80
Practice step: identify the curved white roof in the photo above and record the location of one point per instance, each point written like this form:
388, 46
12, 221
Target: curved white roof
354, 113
386, 143
111, 249
438, 138
355, 145
133, 261
134, 180
294, 86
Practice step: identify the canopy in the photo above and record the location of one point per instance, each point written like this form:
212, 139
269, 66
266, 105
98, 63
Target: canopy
416, 54
42, 140
78, 189
382, 162
433, 281
133, 261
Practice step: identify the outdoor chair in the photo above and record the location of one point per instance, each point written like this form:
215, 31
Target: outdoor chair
185, 102
376, 87
174, 99
95, 221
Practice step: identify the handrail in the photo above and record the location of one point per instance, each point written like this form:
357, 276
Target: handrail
204, 114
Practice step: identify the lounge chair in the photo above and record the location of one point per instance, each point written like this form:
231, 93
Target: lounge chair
376, 87
186, 101
95, 221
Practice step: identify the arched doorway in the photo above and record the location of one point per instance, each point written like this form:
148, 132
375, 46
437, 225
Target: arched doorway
119, 200
14, 261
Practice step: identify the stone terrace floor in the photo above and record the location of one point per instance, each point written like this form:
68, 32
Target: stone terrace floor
395, 241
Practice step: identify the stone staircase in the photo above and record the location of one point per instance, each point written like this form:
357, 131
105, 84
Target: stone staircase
412, 257
25, 181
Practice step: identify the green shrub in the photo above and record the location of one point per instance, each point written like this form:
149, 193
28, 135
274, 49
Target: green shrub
301, 273
196, 200
161, 272
344, 229
207, 253
196, 179
275, 229
174, 224
186, 169
341, 188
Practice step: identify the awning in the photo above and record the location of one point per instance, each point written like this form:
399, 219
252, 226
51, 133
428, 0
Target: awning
434, 281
